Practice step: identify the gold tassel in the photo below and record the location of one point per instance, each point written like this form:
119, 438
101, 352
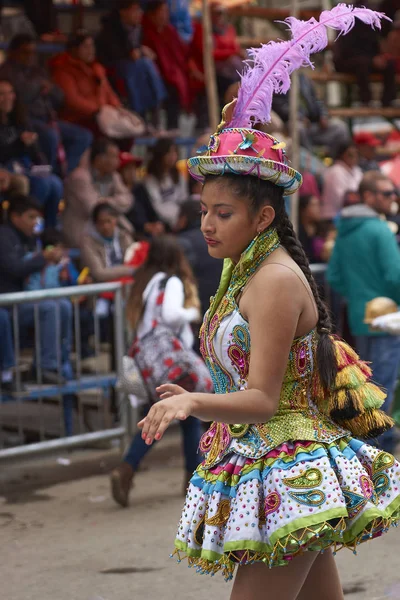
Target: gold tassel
371, 424
350, 377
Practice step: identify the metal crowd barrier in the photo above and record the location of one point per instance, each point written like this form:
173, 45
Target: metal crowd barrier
35, 409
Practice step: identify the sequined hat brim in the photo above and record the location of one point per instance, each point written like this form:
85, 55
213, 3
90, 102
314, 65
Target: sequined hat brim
276, 172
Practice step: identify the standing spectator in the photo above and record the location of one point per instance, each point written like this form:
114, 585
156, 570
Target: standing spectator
343, 176
166, 187
164, 296
19, 259
90, 185
104, 245
359, 53
365, 264
62, 142
119, 47
172, 57
316, 128
20, 152
206, 269
83, 81
142, 215
367, 144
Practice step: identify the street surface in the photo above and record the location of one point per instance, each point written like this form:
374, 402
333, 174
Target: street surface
70, 542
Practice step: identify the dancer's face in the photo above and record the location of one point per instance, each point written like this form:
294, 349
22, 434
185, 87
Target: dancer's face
228, 224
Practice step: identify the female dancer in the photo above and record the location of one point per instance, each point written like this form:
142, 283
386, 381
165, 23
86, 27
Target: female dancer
284, 482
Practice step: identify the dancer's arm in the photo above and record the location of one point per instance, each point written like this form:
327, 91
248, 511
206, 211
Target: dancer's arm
273, 312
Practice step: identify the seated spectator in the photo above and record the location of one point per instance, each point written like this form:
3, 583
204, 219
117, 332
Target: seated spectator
316, 129
142, 215
172, 57
309, 219
367, 144
228, 55
90, 185
104, 244
359, 53
20, 152
63, 143
343, 176
207, 270
119, 47
165, 186
57, 273
16, 243
42, 14
84, 82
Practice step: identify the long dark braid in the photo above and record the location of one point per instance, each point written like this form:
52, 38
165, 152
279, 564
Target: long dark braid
259, 193
326, 358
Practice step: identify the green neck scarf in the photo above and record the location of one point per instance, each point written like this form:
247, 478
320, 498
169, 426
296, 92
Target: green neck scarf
234, 277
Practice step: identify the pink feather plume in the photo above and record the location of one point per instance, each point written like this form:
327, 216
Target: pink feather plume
270, 66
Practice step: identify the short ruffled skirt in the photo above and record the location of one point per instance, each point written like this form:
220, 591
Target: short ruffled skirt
300, 496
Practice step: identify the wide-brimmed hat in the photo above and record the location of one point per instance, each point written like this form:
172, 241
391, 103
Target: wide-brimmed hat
244, 151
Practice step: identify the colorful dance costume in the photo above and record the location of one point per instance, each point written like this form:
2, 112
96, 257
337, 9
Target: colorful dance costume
268, 492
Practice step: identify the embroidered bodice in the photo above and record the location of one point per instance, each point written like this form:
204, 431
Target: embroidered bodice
225, 345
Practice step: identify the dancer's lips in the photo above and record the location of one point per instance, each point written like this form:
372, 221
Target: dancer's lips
211, 242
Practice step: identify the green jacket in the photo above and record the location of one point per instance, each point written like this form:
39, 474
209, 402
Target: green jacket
365, 263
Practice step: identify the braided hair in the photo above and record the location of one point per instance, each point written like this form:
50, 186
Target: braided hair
260, 193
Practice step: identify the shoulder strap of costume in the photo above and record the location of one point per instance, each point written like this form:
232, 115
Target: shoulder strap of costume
354, 401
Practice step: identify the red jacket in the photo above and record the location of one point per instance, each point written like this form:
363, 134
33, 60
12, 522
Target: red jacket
225, 44
86, 88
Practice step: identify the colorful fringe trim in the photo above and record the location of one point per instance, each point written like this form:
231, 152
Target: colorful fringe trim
354, 401
313, 539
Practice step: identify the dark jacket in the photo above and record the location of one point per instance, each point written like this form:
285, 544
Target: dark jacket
142, 211
365, 263
114, 42
310, 106
14, 268
11, 146
28, 82
207, 270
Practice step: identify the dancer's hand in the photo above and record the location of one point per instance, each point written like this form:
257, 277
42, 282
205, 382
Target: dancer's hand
169, 389
161, 415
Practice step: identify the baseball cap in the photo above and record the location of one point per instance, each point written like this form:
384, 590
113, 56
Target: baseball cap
126, 158
365, 138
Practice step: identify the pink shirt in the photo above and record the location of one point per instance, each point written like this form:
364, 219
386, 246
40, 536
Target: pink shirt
338, 180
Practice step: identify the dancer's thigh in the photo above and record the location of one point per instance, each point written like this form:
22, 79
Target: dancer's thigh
322, 580
258, 582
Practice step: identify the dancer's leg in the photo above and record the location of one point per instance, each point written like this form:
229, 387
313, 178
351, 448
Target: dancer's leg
323, 580
258, 582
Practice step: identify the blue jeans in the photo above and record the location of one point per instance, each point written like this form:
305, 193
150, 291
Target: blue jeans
75, 140
146, 90
49, 337
191, 432
7, 359
383, 352
48, 191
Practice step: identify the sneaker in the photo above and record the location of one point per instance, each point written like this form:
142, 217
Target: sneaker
121, 484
